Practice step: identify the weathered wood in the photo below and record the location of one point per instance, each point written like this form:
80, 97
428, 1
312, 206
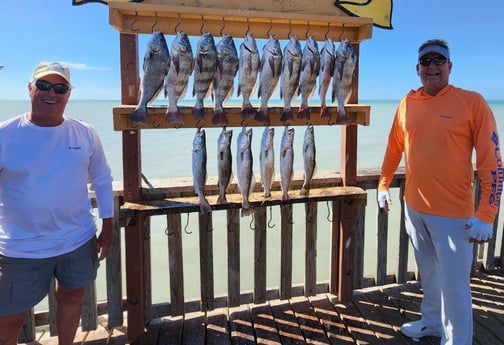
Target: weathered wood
402, 269
360, 234
27, 332
286, 251
311, 224
281, 18
260, 247
348, 213
233, 247
206, 261
113, 264
176, 263
240, 326
217, 328
256, 199
156, 115
335, 247
132, 167
89, 313
381, 247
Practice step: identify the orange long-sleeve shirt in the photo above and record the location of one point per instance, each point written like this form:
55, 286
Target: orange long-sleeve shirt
437, 135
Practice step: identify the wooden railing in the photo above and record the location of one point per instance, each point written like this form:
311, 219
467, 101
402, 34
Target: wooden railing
114, 306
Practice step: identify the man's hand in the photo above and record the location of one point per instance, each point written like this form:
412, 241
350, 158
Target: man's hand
384, 200
104, 241
480, 230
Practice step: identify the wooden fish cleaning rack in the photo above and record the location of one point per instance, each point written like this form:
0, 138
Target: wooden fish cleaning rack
317, 18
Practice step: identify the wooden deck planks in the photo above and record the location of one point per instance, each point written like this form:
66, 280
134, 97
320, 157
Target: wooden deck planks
374, 316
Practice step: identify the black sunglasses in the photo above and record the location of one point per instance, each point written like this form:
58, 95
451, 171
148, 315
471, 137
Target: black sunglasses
45, 85
427, 61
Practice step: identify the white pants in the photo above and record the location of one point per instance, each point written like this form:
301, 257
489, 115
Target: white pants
443, 255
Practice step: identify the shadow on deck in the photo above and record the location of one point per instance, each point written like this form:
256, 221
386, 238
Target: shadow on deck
373, 317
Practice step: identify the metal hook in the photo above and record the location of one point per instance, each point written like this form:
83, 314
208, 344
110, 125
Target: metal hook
252, 219
134, 22
248, 27
223, 26
187, 224
155, 22
202, 24
178, 23
342, 31
329, 213
244, 123
270, 27
327, 32
290, 30
307, 28
271, 226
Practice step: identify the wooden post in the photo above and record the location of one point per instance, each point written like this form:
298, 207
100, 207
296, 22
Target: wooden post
132, 168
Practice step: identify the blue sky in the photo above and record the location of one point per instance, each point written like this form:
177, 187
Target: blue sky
80, 36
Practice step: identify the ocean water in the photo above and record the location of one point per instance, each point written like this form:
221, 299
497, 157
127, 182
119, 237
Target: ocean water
167, 153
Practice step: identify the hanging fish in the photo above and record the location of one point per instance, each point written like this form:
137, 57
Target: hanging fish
247, 74
310, 68
310, 166
289, 79
344, 67
286, 161
205, 63
267, 160
155, 66
199, 169
224, 160
223, 80
244, 163
327, 55
177, 78
269, 75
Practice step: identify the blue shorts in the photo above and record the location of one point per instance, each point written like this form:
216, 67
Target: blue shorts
25, 282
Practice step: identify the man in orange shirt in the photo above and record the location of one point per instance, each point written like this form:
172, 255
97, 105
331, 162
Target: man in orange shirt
437, 127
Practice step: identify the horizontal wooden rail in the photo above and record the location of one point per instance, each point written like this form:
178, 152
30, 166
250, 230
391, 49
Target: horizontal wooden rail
234, 201
357, 115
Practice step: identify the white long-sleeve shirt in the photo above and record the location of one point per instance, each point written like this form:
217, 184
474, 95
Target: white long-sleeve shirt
45, 209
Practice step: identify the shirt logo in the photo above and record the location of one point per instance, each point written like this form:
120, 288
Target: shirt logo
446, 116
74, 148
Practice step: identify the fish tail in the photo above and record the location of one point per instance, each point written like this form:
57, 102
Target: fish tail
324, 113
139, 116
220, 119
303, 113
248, 112
285, 196
304, 191
262, 116
247, 210
222, 199
174, 117
198, 113
204, 205
342, 117
287, 116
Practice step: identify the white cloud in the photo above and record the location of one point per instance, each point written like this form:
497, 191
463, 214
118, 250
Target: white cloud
83, 66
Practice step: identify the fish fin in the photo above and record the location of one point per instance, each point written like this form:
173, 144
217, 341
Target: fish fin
220, 119
139, 116
248, 112
252, 184
198, 113
174, 117
324, 113
303, 113
247, 211
286, 116
262, 116
222, 199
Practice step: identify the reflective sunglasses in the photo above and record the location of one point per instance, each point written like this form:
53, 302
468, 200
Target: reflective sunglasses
44, 85
427, 61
